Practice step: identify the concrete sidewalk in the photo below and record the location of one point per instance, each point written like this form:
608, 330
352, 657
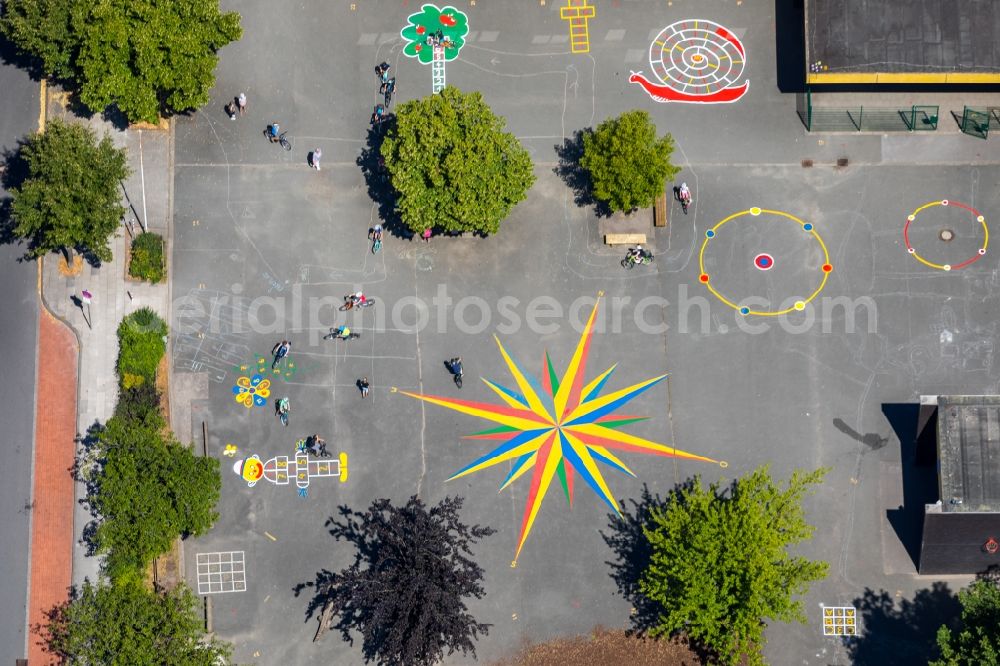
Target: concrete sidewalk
149, 189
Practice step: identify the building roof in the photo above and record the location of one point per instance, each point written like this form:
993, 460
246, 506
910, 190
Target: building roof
969, 452
903, 41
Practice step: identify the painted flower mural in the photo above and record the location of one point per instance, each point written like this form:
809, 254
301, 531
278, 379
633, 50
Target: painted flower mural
252, 391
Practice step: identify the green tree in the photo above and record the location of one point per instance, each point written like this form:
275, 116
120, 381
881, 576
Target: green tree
424, 557
977, 641
142, 57
719, 565
453, 166
628, 165
147, 490
70, 198
124, 624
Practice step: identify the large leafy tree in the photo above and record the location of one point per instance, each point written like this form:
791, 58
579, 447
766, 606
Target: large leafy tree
146, 491
124, 624
142, 57
977, 639
405, 592
69, 198
720, 567
627, 163
453, 166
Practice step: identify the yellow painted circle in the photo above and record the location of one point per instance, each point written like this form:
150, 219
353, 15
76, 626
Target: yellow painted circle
755, 211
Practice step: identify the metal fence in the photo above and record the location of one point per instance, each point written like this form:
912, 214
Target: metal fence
978, 123
916, 118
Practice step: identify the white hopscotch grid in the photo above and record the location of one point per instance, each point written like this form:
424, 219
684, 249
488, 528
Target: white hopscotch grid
222, 572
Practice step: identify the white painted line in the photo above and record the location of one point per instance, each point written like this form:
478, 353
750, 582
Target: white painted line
471, 37
489, 35
367, 38
387, 37
541, 39
635, 55
559, 39
616, 35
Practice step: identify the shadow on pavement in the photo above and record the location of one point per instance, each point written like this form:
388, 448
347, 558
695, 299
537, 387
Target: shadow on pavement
380, 188
919, 474
575, 176
903, 634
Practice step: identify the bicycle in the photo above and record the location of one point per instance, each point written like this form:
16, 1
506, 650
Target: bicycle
632, 260
685, 202
317, 447
285, 143
387, 89
455, 367
334, 334
376, 245
350, 302
281, 408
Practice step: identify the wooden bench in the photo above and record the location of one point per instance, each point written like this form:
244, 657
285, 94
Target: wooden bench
624, 239
660, 211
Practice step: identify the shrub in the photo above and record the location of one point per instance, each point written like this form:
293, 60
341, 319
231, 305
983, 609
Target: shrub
140, 404
141, 344
147, 258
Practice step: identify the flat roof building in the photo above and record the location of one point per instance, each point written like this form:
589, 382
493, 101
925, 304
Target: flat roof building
961, 533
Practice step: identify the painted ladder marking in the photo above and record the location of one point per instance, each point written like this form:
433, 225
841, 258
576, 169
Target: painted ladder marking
437, 70
578, 13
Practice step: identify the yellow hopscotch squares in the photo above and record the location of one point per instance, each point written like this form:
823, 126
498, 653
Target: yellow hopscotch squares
840, 621
578, 13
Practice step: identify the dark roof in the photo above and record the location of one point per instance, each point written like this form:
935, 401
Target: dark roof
904, 36
969, 452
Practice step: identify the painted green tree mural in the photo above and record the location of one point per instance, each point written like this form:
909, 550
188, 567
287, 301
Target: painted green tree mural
433, 27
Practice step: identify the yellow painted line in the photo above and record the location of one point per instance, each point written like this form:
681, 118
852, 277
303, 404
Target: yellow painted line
270, 536
912, 77
962, 77
842, 78
903, 77
42, 106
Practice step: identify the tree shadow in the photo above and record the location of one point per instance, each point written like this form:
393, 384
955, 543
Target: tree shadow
348, 529
570, 152
11, 55
632, 551
904, 634
380, 188
14, 174
87, 465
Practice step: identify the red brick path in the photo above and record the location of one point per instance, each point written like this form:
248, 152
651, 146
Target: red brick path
51, 564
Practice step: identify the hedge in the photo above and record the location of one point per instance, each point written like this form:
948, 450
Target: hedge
141, 345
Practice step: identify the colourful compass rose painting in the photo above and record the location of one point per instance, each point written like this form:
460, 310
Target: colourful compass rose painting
558, 427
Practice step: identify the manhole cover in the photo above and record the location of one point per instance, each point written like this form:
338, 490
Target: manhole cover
946, 235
